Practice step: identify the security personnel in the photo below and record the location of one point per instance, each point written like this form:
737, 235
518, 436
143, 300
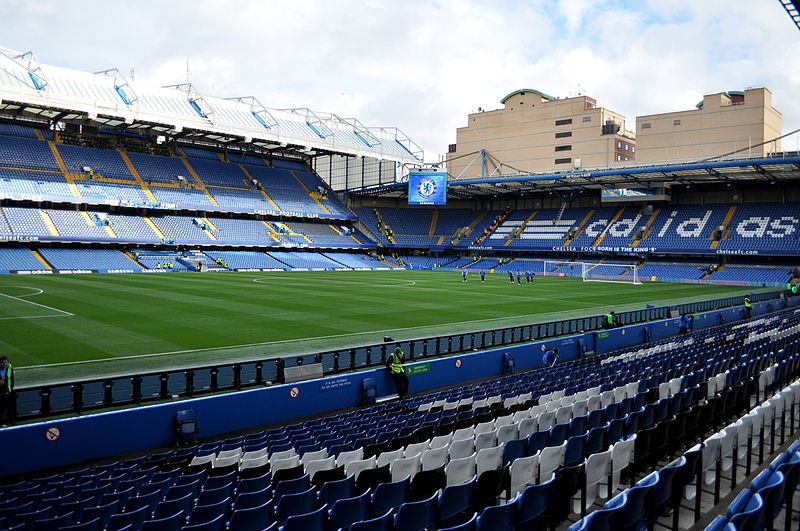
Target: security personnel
748, 305
609, 320
6, 391
795, 288
395, 365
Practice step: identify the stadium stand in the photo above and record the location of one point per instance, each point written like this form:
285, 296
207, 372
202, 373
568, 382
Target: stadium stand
38, 183
104, 162
86, 259
530, 446
155, 169
300, 260
25, 153
19, 259
247, 260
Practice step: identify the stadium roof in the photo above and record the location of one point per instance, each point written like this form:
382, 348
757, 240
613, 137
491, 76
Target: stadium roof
108, 99
775, 169
793, 8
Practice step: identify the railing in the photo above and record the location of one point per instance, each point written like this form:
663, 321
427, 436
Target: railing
90, 395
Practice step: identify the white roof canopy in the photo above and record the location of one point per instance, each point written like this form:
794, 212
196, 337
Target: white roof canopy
108, 94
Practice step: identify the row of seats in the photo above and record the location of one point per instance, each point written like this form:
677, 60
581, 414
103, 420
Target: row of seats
399, 463
722, 452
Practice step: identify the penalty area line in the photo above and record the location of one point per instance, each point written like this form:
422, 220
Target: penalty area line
61, 313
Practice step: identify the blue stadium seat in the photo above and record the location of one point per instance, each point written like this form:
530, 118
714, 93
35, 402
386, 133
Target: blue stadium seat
347, 511
313, 521
88, 525
498, 517
417, 515
456, 501
133, 517
384, 522
217, 524
469, 525
390, 495
295, 504
533, 502
251, 518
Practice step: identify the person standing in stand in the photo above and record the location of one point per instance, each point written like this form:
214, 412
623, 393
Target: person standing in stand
683, 323
6, 392
395, 365
748, 306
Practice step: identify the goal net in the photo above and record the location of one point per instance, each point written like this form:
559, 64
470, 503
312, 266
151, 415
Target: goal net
624, 273
561, 269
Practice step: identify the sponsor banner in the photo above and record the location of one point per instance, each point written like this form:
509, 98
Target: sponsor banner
118, 270
154, 271
422, 368
35, 272
74, 271
18, 238
168, 206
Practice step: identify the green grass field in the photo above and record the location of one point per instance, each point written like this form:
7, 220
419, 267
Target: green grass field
62, 327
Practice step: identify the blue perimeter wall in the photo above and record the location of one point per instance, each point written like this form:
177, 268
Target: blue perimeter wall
28, 449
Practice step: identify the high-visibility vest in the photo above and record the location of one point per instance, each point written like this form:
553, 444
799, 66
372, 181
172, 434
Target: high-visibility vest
747, 303
396, 366
794, 289
9, 374
610, 318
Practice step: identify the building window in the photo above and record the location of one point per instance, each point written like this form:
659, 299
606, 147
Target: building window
564, 134
626, 147
563, 161
619, 158
645, 126
676, 122
564, 148
633, 149
587, 118
566, 121
619, 145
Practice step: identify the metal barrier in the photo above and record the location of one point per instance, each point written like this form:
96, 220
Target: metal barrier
88, 395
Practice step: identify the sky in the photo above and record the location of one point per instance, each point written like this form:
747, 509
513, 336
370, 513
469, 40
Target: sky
423, 66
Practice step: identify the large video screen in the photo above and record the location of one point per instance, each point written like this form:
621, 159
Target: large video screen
627, 195
427, 188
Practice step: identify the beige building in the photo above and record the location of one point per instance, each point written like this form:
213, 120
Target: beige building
722, 123
536, 132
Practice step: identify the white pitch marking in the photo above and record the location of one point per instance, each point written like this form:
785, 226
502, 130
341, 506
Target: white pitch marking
37, 290
62, 312
339, 281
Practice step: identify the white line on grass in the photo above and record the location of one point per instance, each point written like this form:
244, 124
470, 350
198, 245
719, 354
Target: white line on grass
283, 281
62, 312
37, 291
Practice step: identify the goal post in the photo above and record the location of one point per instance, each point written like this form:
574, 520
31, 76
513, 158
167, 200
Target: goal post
620, 273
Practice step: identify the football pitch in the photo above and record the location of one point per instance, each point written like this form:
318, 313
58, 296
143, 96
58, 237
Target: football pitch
59, 328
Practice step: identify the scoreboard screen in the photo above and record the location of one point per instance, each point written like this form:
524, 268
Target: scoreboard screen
427, 188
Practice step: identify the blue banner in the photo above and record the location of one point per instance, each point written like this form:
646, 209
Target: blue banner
427, 188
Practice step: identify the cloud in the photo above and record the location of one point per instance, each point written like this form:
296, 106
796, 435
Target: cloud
422, 66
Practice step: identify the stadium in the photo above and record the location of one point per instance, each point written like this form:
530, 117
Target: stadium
202, 297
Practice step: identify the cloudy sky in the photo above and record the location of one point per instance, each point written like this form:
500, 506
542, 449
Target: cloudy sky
423, 66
